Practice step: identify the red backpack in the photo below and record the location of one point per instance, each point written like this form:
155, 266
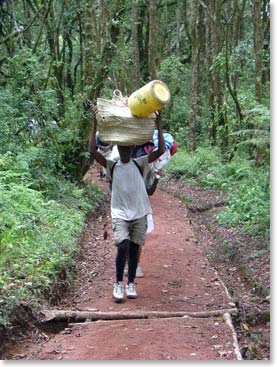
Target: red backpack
173, 149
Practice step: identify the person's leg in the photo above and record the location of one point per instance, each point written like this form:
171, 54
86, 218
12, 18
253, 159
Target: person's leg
139, 253
139, 272
121, 236
132, 267
120, 259
132, 261
126, 264
138, 229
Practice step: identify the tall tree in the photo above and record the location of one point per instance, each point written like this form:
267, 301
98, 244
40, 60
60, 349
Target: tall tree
178, 26
152, 40
258, 48
194, 74
214, 48
135, 45
109, 49
231, 39
53, 25
89, 70
209, 63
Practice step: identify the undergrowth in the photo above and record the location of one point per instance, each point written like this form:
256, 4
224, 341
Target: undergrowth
247, 186
39, 231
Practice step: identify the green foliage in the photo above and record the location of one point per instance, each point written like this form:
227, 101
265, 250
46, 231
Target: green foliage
249, 204
225, 175
38, 230
27, 108
191, 167
42, 208
254, 136
247, 187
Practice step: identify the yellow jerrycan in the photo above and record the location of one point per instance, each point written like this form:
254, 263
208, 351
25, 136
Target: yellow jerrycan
148, 99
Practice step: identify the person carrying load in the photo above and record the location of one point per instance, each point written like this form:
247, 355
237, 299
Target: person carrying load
130, 204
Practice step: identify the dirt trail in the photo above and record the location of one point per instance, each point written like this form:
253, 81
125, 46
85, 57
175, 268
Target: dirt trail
178, 278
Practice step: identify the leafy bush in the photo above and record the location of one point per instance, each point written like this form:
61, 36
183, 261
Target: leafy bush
191, 167
38, 234
249, 204
226, 175
247, 186
26, 105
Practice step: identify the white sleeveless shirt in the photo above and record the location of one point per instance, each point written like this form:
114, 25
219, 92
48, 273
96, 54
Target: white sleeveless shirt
129, 199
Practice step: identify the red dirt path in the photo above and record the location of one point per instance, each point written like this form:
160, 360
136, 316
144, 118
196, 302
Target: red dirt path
178, 277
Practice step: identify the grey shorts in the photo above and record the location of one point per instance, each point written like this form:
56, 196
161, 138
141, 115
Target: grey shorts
133, 230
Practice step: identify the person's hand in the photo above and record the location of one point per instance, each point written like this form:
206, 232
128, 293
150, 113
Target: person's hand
158, 118
158, 174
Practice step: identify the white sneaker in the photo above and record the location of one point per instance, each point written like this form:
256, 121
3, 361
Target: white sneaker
118, 291
139, 273
131, 290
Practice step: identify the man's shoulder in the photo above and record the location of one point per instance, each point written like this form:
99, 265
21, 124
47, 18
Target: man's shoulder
142, 161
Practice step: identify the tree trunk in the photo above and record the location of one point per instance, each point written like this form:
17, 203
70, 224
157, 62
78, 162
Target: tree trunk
152, 40
27, 15
165, 25
143, 35
95, 79
89, 69
194, 75
135, 46
53, 32
108, 51
69, 77
258, 48
232, 27
209, 62
7, 28
219, 115
178, 27
81, 53
81, 316
236, 36
266, 37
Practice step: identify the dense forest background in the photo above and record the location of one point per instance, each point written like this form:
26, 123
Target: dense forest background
58, 57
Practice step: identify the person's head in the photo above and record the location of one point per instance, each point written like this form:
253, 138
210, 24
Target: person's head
125, 153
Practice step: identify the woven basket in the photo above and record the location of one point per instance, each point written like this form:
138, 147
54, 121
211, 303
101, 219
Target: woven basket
117, 125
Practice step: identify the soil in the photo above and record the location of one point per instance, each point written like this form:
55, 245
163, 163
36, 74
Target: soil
241, 259
191, 264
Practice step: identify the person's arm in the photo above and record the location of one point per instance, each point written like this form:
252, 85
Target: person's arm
152, 188
155, 154
92, 147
